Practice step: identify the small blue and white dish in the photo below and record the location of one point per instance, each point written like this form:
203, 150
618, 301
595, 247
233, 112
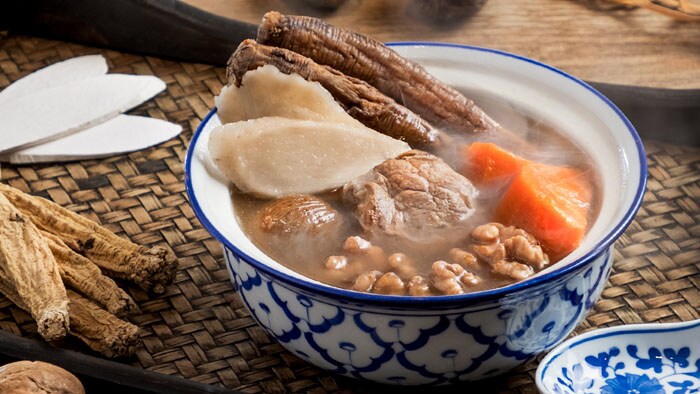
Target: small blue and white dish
456, 338
639, 358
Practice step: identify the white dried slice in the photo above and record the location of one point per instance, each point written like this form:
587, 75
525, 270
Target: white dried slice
63, 110
266, 91
118, 135
273, 157
61, 73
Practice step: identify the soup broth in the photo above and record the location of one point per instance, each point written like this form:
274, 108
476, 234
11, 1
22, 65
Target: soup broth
308, 253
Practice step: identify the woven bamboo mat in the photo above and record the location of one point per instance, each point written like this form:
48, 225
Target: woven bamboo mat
200, 329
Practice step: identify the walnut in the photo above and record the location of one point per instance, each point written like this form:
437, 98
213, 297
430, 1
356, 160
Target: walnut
510, 251
524, 251
470, 279
402, 265
335, 262
451, 278
362, 252
356, 245
376, 256
487, 233
389, 283
418, 286
37, 377
365, 281
463, 258
515, 270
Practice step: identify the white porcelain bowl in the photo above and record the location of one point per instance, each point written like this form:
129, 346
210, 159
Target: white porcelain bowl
444, 339
635, 358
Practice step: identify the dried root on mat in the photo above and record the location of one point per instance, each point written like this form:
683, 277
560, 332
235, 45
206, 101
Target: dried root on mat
360, 100
362, 57
44, 247
86, 278
29, 275
152, 269
101, 330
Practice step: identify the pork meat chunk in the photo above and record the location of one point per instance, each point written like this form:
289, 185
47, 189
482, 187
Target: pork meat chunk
414, 196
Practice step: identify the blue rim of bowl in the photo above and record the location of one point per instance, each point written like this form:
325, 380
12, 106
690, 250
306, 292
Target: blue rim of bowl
436, 301
649, 328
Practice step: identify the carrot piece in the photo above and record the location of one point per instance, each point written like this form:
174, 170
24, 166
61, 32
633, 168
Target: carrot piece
551, 203
487, 162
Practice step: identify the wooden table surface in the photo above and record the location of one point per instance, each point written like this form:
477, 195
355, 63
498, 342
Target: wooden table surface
201, 330
631, 47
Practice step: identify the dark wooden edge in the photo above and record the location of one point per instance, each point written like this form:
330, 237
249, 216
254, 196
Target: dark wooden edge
173, 29
165, 28
671, 115
114, 372
650, 97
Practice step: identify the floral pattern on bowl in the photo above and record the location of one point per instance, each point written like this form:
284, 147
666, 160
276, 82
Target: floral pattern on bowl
642, 359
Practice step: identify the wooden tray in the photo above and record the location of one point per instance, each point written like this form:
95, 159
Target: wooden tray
199, 329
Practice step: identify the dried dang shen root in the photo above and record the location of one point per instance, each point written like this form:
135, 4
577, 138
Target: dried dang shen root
100, 330
29, 275
61, 248
152, 269
361, 100
362, 57
85, 277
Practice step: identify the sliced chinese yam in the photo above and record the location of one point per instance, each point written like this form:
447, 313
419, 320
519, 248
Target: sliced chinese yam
60, 111
121, 134
71, 70
266, 91
274, 157
359, 99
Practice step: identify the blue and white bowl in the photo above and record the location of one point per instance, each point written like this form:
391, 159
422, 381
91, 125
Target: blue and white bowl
444, 339
639, 358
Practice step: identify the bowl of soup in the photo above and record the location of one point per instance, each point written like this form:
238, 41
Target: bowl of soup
481, 322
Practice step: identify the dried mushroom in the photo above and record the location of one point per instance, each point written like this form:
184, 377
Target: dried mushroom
298, 213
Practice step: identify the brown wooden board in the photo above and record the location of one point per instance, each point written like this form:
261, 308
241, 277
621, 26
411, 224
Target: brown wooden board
199, 329
635, 74
634, 47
